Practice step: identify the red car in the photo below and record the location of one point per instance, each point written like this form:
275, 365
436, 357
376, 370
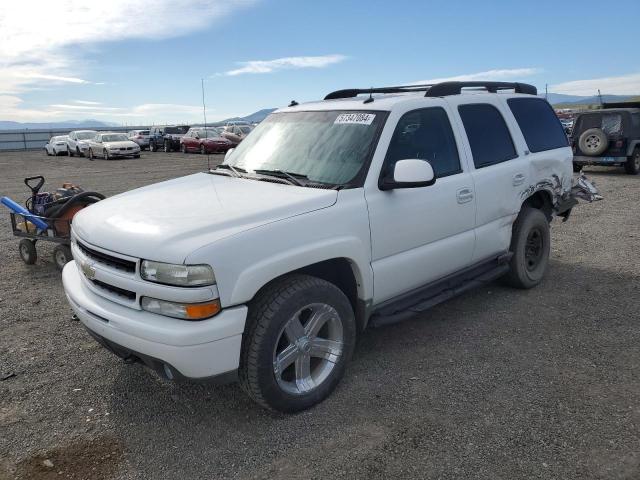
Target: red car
204, 140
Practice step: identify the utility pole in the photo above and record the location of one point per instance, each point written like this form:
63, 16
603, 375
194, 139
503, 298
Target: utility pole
546, 91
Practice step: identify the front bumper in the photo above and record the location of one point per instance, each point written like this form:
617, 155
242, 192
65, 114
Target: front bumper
177, 348
128, 153
585, 160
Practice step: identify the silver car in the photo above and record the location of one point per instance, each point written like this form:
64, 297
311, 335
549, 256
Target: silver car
141, 137
77, 142
109, 145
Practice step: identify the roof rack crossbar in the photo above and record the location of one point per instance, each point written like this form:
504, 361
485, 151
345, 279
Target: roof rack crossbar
354, 92
444, 89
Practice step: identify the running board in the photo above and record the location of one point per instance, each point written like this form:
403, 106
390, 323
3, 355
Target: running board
422, 299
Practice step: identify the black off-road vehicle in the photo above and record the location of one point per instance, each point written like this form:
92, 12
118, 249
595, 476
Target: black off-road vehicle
610, 136
166, 137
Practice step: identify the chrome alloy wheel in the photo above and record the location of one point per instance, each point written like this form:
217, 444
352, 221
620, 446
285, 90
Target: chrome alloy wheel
308, 348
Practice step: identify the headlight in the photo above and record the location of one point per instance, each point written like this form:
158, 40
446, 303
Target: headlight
178, 275
186, 311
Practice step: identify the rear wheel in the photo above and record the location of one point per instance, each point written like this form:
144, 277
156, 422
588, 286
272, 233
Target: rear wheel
69, 152
577, 168
152, 147
300, 335
530, 245
46, 150
632, 167
91, 157
203, 150
28, 253
183, 148
167, 146
61, 256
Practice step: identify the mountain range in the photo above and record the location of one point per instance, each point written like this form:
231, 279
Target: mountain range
256, 117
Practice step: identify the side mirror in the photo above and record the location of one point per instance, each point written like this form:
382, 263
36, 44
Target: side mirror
228, 154
412, 173
197, 136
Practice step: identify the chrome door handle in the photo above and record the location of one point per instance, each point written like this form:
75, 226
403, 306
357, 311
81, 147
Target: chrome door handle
464, 195
518, 179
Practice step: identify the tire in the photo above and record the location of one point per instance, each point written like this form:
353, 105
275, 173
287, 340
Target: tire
69, 152
136, 156
152, 146
61, 256
91, 157
593, 142
47, 152
632, 166
105, 154
78, 152
577, 168
273, 317
183, 149
28, 253
203, 150
530, 245
167, 147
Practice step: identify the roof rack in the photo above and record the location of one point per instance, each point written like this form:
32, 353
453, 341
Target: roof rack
442, 89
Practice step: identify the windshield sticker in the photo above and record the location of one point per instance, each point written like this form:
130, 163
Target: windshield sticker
355, 118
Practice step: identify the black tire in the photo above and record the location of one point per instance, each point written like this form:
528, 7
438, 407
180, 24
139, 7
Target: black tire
269, 312
632, 165
183, 148
91, 157
530, 245
136, 155
593, 142
152, 146
47, 152
69, 152
203, 149
167, 146
61, 256
105, 154
28, 253
577, 167
78, 152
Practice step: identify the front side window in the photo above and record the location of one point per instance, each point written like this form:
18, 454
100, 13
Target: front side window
539, 124
326, 147
488, 134
426, 135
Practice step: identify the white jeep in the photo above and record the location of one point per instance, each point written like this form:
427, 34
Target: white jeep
329, 217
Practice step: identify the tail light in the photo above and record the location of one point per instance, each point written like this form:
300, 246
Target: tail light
619, 143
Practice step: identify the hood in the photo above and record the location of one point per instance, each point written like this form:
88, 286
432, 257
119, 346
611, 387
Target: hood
120, 144
169, 220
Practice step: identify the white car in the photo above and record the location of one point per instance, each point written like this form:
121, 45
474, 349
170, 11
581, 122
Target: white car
56, 145
77, 142
330, 217
141, 137
109, 145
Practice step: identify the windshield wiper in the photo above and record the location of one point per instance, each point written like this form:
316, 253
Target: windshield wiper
236, 170
291, 176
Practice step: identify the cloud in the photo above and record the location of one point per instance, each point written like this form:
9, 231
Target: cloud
623, 85
489, 75
87, 102
287, 63
41, 41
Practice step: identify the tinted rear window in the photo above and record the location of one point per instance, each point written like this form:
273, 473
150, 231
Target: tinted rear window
541, 128
488, 134
176, 130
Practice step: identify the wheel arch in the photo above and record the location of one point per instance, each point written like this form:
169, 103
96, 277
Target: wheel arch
541, 200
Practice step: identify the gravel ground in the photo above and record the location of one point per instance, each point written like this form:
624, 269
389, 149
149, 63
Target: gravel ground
496, 384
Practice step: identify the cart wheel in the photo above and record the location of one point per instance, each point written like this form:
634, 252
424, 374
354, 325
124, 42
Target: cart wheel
28, 252
61, 256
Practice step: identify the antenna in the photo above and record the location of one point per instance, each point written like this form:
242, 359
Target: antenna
204, 114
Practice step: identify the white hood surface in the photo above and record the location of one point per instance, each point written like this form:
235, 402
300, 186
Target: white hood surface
121, 144
167, 221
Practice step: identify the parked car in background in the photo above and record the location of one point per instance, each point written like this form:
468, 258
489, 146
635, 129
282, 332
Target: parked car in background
57, 145
236, 133
166, 137
77, 142
141, 137
204, 140
610, 137
110, 145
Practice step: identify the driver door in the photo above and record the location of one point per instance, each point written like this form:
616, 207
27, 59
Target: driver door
420, 235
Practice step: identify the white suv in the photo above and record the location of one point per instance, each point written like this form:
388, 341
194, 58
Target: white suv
329, 217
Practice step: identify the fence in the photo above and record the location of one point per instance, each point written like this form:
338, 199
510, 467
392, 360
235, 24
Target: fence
35, 139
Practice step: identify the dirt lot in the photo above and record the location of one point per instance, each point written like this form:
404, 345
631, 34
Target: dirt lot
497, 384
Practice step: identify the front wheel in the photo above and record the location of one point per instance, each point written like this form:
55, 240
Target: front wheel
61, 256
167, 147
530, 245
632, 167
91, 157
183, 149
69, 152
152, 147
300, 335
105, 154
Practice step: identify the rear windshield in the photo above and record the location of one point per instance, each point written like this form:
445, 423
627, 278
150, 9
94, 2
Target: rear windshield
610, 123
144, 132
178, 130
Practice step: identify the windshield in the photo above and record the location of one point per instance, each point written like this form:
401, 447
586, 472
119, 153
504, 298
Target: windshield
328, 147
210, 132
116, 137
245, 130
178, 130
85, 135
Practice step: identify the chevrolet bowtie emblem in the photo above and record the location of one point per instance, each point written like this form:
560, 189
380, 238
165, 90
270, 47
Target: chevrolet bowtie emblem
88, 270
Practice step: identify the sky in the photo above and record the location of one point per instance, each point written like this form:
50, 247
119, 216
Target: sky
142, 62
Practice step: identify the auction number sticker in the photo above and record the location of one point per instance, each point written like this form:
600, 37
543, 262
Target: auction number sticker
355, 118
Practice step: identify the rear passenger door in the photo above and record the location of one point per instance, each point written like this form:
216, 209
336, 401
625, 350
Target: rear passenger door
500, 174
